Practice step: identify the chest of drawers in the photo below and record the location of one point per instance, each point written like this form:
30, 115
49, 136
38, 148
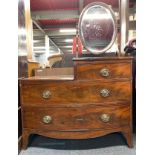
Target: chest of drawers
96, 100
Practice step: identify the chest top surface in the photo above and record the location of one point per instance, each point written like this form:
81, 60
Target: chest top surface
89, 67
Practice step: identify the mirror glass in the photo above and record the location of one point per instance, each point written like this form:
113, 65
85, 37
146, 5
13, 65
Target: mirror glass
97, 27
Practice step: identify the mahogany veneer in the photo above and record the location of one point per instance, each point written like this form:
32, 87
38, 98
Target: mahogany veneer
88, 105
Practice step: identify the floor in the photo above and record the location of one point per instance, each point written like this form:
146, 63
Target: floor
112, 144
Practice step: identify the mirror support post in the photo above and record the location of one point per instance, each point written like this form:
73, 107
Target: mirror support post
124, 23
81, 4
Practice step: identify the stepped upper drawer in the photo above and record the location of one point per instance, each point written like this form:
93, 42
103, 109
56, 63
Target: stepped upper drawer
103, 70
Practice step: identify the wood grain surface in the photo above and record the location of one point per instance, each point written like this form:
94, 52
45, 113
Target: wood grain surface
92, 71
76, 105
75, 92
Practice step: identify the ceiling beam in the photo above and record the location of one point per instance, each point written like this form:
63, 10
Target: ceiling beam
53, 33
44, 33
58, 26
62, 37
37, 24
38, 44
64, 14
62, 40
64, 44
57, 34
38, 37
66, 47
61, 14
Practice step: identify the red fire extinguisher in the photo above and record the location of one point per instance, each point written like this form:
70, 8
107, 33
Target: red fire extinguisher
74, 46
80, 46
77, 46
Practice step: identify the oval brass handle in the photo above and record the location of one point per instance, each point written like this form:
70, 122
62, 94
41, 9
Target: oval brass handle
105, 92
47, 119
104, 72
105, 117
46, 94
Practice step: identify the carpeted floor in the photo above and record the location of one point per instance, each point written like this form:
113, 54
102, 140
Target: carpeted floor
113, 144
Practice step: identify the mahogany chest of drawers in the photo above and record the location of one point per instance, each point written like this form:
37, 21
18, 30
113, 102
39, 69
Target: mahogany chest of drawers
96, 100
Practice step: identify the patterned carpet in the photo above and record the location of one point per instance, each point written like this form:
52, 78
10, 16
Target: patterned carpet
113, 144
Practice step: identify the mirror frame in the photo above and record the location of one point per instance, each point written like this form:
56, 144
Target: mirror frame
114, 23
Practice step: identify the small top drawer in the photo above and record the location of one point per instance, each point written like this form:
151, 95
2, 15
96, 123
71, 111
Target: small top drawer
103, 70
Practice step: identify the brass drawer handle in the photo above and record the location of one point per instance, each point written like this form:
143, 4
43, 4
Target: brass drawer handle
104, 72
46, 94
105, 118
47, 119
105, 92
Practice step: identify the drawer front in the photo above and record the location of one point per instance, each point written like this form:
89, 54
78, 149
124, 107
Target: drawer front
103, 71
76, 92
77, 119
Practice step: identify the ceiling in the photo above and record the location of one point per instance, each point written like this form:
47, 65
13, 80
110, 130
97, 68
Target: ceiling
51, 16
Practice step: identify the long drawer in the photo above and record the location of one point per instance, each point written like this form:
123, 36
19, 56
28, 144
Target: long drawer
77, 119
64, 92
103, 71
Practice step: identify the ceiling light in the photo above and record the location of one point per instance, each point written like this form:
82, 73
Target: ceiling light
37, 41
67, 30
68, 40
66, 46
39, 52
116, 14
39, 47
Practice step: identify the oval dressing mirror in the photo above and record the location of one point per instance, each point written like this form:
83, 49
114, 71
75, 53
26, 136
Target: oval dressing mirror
97, 27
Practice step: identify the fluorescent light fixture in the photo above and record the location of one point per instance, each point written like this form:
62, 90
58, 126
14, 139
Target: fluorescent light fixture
67, 30
116, 14
37, 41
39, 47
39, 52
68, 40
53, 51
66, 46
